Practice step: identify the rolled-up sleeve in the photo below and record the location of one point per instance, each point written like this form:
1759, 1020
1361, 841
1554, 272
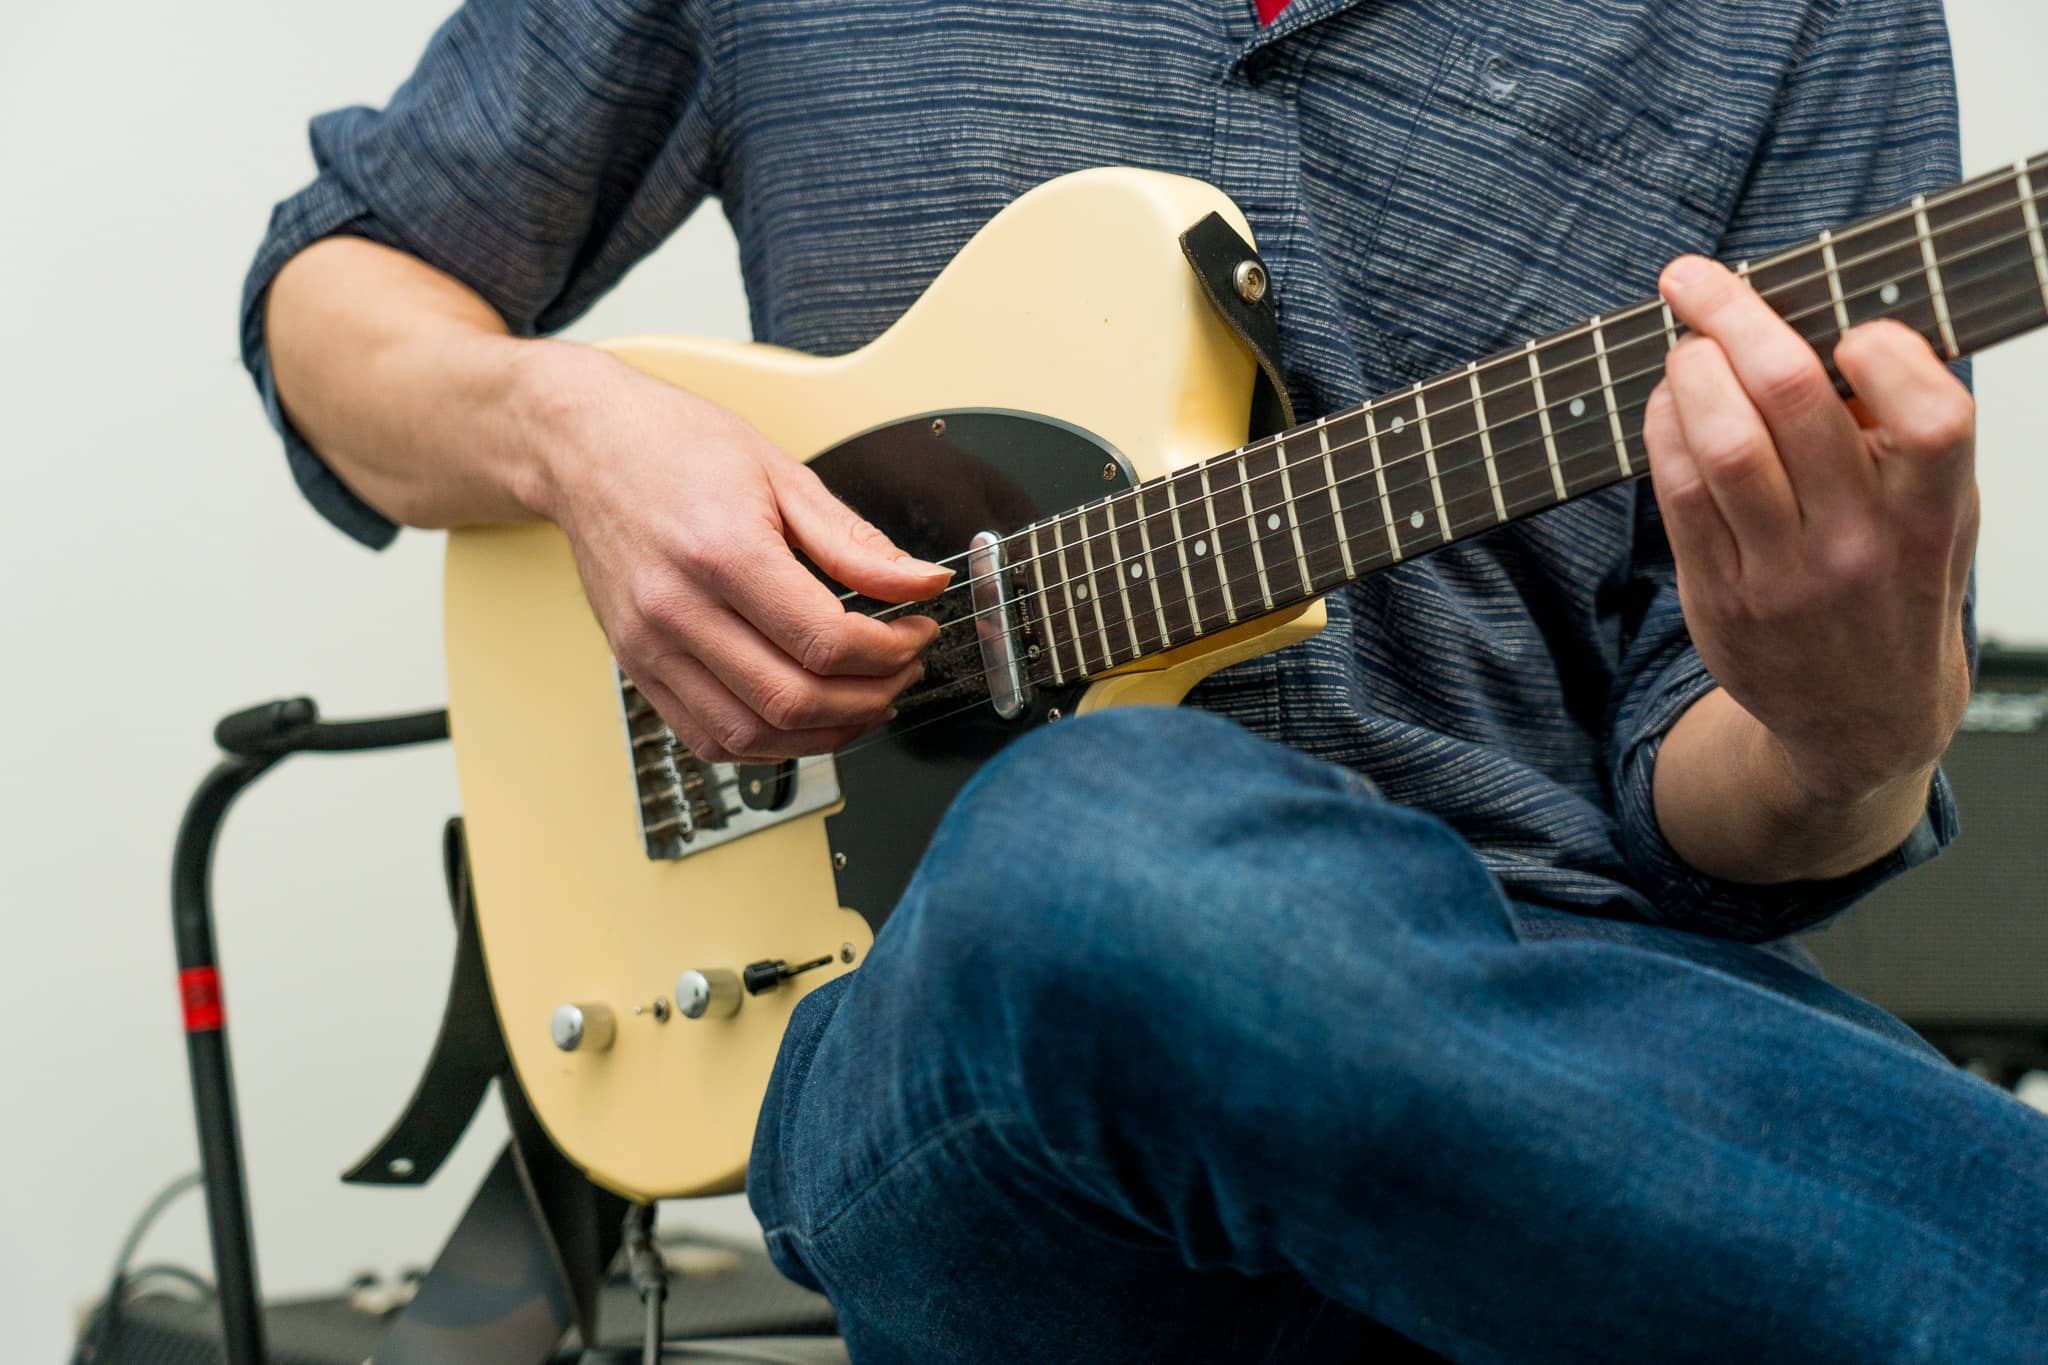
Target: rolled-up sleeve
1866, 120
539, 150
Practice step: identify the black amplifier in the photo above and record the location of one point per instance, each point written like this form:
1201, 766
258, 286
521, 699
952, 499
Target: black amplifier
1960, 947
727, 1306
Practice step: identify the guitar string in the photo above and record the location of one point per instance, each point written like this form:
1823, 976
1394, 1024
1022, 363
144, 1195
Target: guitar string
1539, 501
1088, 580
1519, 357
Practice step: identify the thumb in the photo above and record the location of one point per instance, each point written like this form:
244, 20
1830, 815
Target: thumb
849, 548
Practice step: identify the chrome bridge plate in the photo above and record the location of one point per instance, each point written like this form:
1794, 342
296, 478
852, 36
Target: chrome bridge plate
688, 805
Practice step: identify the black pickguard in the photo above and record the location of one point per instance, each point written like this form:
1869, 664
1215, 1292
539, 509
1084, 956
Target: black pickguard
930, 483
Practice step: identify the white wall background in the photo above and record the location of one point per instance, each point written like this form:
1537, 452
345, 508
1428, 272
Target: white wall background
156, 569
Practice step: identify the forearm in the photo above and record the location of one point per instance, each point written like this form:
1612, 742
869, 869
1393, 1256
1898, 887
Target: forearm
1733, 803
408, 385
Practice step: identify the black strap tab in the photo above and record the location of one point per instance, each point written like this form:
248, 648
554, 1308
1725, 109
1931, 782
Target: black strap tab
468, 1052
1223, 261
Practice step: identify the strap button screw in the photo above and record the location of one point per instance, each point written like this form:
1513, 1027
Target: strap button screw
1250, 279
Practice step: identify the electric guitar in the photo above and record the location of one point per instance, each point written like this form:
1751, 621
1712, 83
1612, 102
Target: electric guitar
1047, 418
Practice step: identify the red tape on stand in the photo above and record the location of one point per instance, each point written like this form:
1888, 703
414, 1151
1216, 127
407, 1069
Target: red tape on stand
200, 988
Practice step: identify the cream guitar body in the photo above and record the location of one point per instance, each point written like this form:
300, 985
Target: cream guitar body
1074, 304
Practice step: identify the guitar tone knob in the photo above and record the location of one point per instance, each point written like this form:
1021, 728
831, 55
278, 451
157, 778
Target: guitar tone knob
582, 1028
712, 994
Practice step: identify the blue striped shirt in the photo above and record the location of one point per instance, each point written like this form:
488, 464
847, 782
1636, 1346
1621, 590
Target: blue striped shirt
1430, 180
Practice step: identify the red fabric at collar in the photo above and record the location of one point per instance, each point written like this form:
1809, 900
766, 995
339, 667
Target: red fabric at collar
1269, 10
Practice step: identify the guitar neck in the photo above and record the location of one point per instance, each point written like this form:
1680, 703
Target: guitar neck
1291, 517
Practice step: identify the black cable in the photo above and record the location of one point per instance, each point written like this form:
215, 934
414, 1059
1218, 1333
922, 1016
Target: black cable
94, 1338
201, 1287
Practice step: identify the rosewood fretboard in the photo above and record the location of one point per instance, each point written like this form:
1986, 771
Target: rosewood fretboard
1291, 517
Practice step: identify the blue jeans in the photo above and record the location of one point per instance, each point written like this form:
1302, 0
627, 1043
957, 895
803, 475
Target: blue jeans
1184, 1047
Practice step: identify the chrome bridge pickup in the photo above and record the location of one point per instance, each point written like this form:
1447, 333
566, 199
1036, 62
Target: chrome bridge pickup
988, 578
688, 805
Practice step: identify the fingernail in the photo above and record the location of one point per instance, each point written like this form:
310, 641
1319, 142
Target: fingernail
916, 565
1683, 274
891, 716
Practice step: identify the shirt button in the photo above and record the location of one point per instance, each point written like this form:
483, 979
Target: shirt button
1497, 78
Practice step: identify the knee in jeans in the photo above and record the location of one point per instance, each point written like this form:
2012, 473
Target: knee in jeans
1072, 855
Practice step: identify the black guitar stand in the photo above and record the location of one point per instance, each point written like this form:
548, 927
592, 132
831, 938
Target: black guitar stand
529, 1255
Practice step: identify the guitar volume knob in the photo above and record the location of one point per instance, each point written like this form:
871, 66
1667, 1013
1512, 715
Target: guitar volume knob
582, 1028
712, 994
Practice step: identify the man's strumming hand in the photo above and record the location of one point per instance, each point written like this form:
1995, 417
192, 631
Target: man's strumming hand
682, 517
1823, 549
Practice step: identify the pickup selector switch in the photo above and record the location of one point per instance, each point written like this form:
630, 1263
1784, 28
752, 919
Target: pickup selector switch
712, 994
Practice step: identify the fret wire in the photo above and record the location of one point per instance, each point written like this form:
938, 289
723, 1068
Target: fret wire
1500, 511
1216, 544
1834, 274
1095, 579
1293, 522
1670, 327
1379, 474
1436, 483
1948, 331
1543, 416
1045, 609
1151, 567
1251, 524
1336, 506
1607, 388
1180, 540
1113, 544
1087, 593
2032, 211
1669, 330
1535, 504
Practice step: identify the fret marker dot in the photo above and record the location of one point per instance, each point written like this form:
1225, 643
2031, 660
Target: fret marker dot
1137, 571
1201, 548
1273, 522
1081, 592
1399, 422
1415, 520
1578, 407
1890, 294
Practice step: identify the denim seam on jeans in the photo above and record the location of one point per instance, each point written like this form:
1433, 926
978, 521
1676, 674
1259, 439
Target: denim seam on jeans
942, 1135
